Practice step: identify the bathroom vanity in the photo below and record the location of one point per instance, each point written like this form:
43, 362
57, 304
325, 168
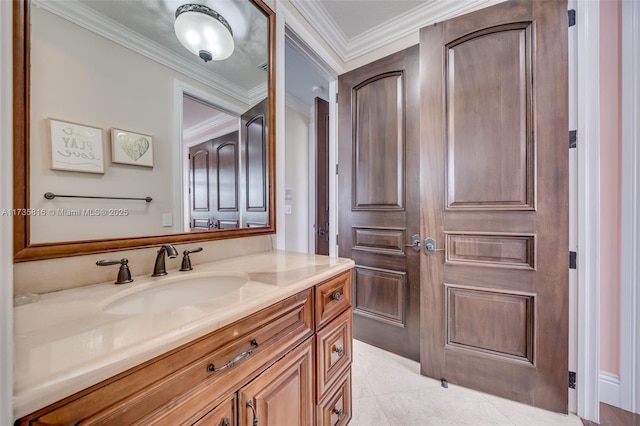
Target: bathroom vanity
276, 351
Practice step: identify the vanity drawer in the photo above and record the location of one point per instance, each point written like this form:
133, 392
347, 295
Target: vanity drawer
332, 297
334, 353
335, 408
171, 388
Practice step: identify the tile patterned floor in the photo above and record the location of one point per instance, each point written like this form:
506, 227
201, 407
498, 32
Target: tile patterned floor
388, 390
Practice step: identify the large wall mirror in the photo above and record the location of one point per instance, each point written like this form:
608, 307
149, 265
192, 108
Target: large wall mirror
123, 138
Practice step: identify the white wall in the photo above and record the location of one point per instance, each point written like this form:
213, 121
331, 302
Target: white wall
297, 179
6, 230
81, 77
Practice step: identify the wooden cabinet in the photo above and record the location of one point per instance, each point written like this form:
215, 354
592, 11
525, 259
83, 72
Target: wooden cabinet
282, 395
334, 336
285, 365
335, 407
223, 415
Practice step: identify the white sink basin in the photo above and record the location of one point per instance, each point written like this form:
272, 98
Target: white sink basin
172, 295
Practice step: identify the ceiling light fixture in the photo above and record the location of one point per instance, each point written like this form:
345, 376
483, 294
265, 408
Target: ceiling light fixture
204, 32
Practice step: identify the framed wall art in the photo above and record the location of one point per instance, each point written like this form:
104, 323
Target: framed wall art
75, 147
131, 148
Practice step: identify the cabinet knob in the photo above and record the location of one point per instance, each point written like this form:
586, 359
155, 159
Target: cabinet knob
336, 295
339, 413
339, 350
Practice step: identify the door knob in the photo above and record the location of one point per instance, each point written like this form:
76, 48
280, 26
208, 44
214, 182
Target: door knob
321, 231
415, 242
430, 247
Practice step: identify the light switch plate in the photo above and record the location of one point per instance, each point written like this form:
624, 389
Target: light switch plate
288, 209
288, 194
167, 220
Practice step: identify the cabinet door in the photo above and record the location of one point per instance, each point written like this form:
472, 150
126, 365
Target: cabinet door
282, 394
223, 415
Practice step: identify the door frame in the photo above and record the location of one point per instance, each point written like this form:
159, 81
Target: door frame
588, 207
290, 28
630, 250
180, 90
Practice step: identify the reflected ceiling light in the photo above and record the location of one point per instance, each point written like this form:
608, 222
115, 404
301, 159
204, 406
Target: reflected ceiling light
204, 32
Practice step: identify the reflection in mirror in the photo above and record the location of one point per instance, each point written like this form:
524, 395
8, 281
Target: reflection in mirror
213, 140
101, 68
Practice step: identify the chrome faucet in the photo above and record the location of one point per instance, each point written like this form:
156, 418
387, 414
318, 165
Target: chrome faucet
159, 268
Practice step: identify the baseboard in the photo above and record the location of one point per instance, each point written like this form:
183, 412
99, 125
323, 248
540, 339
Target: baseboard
610, 389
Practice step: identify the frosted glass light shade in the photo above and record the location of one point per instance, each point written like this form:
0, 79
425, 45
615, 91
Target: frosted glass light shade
204, 32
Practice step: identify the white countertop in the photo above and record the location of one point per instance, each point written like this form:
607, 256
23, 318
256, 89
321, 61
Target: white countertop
64, 342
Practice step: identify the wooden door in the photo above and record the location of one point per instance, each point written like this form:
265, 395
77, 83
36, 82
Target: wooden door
214, 183
283, 394
322, 176
494, 179
255, 163
379, 198
200, 187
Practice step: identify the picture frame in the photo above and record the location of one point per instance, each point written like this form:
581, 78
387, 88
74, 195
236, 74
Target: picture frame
132, 148
75, 147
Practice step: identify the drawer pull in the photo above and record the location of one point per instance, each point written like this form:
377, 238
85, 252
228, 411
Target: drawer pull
255, 415
336, 295
339, 413
212, 368
339, 350
225, 422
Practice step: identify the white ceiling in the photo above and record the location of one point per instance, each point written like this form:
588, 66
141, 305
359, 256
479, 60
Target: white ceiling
146, 27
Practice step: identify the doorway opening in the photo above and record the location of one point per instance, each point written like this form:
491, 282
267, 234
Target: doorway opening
308, 192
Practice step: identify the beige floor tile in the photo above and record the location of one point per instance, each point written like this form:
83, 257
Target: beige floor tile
525, 415
368, 412
440, 406
389, 390
382, 373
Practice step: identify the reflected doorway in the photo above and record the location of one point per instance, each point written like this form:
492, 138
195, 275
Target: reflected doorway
227, 166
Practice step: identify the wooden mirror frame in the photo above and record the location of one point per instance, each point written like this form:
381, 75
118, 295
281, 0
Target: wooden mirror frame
23, 249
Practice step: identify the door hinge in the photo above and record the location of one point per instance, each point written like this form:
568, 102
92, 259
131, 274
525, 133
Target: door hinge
337, 239
572, 259
189, 156
572, 17
336, 97
572, 379
337, 169
573, 138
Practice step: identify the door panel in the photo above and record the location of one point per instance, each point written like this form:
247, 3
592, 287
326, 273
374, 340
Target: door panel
200, 177
322, 176
227, 175
214, 182
256, 155
499, 116
494, 194
379, 160
378, 142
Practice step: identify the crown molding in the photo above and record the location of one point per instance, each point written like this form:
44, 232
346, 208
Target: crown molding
385, 33
258, 93
90, 20
295, 24
218, 124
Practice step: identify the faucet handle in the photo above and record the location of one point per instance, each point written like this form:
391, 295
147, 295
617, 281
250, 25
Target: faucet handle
186, 261
124, 274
